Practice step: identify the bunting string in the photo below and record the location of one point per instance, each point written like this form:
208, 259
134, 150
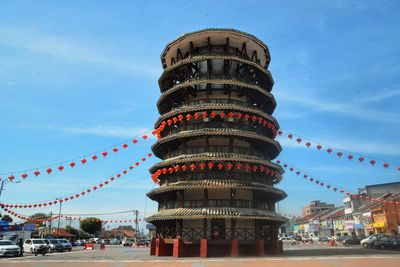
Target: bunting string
78, 194
220, 166
335, 188
60, 166
205, 116
340, 153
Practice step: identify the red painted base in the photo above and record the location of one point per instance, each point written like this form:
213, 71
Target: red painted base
234, 248
260, 248
203, 248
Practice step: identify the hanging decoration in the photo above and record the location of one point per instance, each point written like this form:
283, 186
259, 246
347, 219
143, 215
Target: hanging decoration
339, 152
70, 218
231, 115
60, 166
78, 194
335, 188
220, 166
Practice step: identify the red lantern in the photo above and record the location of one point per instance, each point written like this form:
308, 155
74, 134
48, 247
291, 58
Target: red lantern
192, 167
254, 118
229, 165
184, 168
341, 190
149, 155
255, 168
350, 157
246, 117
239, 115
308, 144
124, 171
220, 166
118, 175
134, 141
222, 114
319, 147
202, 166
83, 161
180, 117
137, 163
188, 117
196, 116
115, 150
125, 146
130, 167
72, 164
372, 162
60, 168
104, 154
36, 173
144, 137
361, 159
231, 114
280, 132
329, 150
49, 170
210, 165
298, 140
94, 157
339, 154
11, 177
213, 114
297, 172
247, 167
290, 136
311, 179
238, 166
386, 165
175, 120
204, 114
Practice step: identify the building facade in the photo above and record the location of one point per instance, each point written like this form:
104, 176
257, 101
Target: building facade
315, 207
216, 141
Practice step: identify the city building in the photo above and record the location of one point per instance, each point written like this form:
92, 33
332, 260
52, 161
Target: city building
327, 227
353, 202
216, 141
315, 207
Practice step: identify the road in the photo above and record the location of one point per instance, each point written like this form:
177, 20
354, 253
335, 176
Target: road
298, 256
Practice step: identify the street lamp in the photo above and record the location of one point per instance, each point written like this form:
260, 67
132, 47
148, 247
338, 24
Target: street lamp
3, 182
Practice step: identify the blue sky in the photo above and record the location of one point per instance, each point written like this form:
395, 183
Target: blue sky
77, 76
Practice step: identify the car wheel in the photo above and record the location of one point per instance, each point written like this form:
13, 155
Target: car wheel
382, 246
31, 250
365, 245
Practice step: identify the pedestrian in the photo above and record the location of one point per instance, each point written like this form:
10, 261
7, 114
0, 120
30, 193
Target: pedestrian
21, 246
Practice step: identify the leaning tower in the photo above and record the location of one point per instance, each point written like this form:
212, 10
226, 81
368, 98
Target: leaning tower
216, 140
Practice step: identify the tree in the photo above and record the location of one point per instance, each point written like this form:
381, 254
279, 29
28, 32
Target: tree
91, 225
6, 218
72, 230
39, 216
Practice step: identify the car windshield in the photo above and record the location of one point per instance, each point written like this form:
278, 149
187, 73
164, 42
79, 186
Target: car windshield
37, 241
54, 241
63, 241
6, 243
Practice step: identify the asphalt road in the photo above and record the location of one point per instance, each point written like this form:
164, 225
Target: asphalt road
299, 255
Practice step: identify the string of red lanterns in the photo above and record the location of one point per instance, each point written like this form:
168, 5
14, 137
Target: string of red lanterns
220, 166
26, 218
335, 188
79, 194
60, 166
338, 152
212, 114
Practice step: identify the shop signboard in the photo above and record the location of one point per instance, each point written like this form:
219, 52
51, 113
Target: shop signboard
349, 225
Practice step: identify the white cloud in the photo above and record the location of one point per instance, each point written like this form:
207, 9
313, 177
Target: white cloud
353, 109
77, 51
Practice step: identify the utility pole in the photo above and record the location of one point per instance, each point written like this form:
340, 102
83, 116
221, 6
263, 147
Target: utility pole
136, 212
51, 215
59, 217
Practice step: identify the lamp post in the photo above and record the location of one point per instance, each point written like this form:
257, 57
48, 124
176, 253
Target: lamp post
3, 182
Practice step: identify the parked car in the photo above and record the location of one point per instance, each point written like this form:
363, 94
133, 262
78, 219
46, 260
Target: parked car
115, 241
32, 245
143, 242
351, 240
9, 248
369, 241
79, 243
387, 242
128, 242
54, 245
298, 238
288, 241
67, 245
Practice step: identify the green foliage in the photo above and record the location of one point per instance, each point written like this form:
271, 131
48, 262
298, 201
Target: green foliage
72, 230
6, 218
39, 216
91, 225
